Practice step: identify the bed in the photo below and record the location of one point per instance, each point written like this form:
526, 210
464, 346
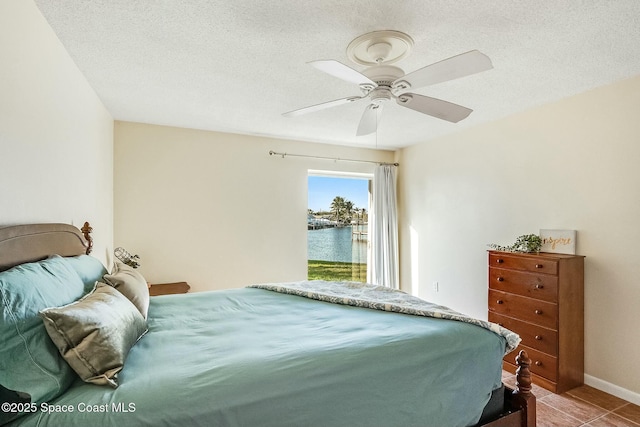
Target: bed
264, 355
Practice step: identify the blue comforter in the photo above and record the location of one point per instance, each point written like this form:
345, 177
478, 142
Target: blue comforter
251, 357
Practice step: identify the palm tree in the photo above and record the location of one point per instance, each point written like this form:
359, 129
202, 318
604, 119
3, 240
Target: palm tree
337, 207
348, 211
340, 209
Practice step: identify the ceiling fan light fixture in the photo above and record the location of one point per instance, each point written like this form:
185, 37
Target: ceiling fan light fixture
380, 95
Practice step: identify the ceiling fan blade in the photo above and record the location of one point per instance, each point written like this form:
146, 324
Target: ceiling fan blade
434, 107
462, 65
369, 120
341, 71
324, 105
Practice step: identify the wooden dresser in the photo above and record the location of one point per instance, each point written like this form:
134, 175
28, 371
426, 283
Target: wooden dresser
541, 298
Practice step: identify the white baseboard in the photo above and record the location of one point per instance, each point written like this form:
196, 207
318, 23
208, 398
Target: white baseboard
622, 393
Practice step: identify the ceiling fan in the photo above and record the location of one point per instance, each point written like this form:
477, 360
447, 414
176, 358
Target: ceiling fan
381, 82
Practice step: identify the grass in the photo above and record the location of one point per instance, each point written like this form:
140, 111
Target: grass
337, 271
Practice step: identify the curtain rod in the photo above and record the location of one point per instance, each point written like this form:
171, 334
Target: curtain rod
336, 159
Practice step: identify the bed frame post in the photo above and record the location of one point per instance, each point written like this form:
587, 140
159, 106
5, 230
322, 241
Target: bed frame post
523, 399
86, 231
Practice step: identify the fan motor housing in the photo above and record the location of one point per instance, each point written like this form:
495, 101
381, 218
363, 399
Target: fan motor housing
383, 75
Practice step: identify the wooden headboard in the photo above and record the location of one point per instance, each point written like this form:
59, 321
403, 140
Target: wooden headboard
34, 242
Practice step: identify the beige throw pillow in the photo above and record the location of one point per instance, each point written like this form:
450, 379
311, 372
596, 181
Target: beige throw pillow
132, 285
95, 333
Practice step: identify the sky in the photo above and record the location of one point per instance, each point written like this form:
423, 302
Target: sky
322, 191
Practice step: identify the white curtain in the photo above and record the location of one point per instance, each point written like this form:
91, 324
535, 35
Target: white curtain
383, 266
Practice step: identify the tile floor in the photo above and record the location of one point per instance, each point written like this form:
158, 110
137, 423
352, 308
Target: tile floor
583, 406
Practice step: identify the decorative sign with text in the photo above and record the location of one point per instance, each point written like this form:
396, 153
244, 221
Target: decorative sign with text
558, 241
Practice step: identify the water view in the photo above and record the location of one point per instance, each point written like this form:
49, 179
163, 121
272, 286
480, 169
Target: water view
337, 244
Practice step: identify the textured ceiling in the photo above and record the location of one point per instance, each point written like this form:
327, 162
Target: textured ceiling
237, 65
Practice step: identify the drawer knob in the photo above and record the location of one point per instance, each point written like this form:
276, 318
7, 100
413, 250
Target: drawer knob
538, 363
538, 265
538, 312
539, 286
499, 301
538, 337
499, 260
500, 279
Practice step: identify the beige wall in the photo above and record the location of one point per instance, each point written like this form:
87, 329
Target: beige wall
215, 209
573, 164
56, 137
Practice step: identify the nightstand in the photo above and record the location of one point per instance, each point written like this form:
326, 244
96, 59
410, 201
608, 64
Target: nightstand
168, 288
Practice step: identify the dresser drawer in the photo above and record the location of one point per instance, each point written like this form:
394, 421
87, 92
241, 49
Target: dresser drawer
528, 309
541, 364
540, 286
535, 264
534, 336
